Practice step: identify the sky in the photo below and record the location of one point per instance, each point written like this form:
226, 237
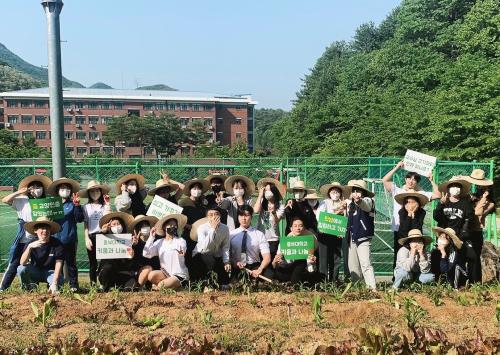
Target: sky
261, 47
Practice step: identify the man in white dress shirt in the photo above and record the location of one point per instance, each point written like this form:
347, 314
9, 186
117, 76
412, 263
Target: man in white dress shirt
249, 246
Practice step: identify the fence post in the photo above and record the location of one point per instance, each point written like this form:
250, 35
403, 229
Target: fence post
435, 175
97, 176
33, 165
137, 167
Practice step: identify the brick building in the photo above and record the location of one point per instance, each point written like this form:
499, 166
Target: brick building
88, 111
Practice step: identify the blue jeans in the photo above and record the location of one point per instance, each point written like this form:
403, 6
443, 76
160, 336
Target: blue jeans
31, 275
401, 275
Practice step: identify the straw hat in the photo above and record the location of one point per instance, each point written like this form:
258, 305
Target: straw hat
228, 184
360, 184
478, 177
152, 220
216, 176
141, 181
162, 183
264, 181
401, 197
450, 233
312, 196
30, 226
125, 217
205, 185
94, 184
52, 189
181, 223
327, 187
299, 185
193, 234
42, 179
456, 180
414, 234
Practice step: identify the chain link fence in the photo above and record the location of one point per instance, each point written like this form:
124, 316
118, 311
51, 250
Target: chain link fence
314, 171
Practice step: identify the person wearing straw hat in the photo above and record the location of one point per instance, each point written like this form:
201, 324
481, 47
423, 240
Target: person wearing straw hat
141, 229
249, 248
446, 260
131, 194
411, 183
330, 246
98, 204
360, 230
413, 262
412, 215
217, 193
42, 259
483, 203
241, 188
68, 189
171, 250
299, 207
296, 271
31, 187
166, 188
211, 253
119, 273
270, 209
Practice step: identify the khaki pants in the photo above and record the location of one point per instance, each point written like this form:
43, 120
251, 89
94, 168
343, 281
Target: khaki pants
360, 265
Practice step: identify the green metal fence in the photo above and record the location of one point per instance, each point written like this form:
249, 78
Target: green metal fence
315, 172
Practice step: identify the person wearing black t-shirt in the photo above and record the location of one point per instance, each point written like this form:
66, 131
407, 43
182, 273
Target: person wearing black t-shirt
42, 259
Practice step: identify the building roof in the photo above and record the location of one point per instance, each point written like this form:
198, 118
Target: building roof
141, 95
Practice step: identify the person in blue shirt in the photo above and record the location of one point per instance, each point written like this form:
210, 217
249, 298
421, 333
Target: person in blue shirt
68, 189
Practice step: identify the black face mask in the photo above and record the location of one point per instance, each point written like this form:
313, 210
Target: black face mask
171, 231
216, 189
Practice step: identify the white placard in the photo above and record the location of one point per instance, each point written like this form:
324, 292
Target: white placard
160, 207
419, 163
113, 246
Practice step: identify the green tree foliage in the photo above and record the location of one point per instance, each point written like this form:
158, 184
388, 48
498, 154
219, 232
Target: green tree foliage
12, 148
426, 78
264, 121
12, 79
237, 150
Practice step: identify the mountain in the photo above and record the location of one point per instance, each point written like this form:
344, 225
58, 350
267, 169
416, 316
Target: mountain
12, 79
100, 85
157, 87
37, 73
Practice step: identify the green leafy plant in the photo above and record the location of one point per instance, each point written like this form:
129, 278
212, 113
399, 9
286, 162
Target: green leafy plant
153, 322
436, 296
462, 299
5, 305
205, 316
44, 314
88, 298
316, 308
390, 297
413, 312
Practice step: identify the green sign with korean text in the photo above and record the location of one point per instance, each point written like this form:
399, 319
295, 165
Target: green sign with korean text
334, 224
50, 207
297, 247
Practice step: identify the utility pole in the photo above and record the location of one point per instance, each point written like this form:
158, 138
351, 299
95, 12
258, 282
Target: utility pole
52, 10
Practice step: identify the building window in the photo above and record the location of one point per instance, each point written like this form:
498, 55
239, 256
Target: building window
93, 105
80, 119
208, 107
184, 150
70, 150
26, 104
171, 107
68, 119
107, 120
81, 150
184, 107
41, 135
119, 151
105, 106
95, 150
68, 135
81, 135
15, 134
148, 150
184, 122
219, 135
107, 150
208, 123
147, 106
160, 107
93, 135
27, 134
238, 135
40, 119
79, 105
118, 105
67, 104
93, 120
26, 119
11, 103
196, 107
250, 111
12, 119
40, 104
238, 120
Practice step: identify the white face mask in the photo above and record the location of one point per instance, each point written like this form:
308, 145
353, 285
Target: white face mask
455, 191
312, 203
145, 231
238, 192
37, 192
334, 195
195, 192
298, 195
132, 189
95, 194
116, 229
64, 193
442, 242
268, 195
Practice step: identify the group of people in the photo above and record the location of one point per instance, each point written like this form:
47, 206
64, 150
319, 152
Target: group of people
213, 236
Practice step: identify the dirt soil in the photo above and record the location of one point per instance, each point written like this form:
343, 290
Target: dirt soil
240, 323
